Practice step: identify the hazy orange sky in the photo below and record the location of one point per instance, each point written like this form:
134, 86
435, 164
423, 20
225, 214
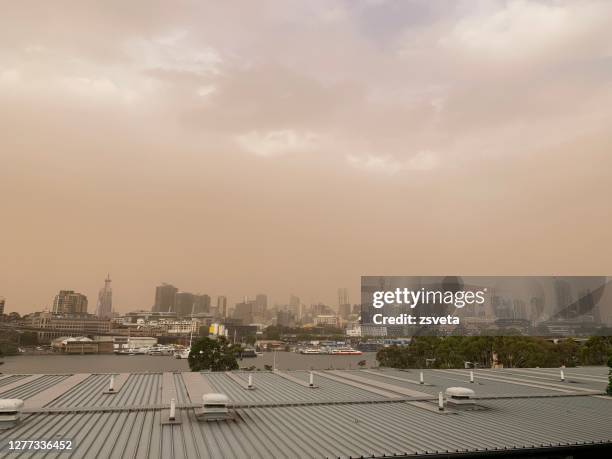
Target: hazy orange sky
291, 146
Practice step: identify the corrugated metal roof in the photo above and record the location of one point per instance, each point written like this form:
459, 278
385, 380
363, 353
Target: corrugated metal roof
335, 420
29, 389
272, 388
498, 383
329, 430
8, 379
140, 389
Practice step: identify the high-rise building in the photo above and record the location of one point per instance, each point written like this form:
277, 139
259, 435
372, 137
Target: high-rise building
2, 302
184, 303
343, 297
104, 309
201, 303
344, 306
294, 305
285, 318
261, 304
164, 298
222, 306
245, 311
70, 302
344, 310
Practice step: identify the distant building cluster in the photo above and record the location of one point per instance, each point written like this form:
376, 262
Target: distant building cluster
168, 298
178, 315
251, 314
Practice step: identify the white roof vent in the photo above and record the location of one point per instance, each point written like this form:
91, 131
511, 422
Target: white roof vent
10, 412
10, 404
215, 407
215, 398
460, 396
460, 393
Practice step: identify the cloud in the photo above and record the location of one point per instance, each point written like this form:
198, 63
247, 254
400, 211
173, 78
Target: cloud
527, 29
175, 52
388, 165
148, 115
276, 143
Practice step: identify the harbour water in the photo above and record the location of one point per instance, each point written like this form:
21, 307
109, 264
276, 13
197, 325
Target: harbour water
105, 363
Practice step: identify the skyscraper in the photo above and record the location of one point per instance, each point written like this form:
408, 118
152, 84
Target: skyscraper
70, 302
261, 304
184, 303
344, 305
2, 300
201, 303
222, 306
245, 311
104, 309
294, 305
164, 298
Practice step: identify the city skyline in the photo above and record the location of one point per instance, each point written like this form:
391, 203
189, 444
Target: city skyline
105, 298
313, 144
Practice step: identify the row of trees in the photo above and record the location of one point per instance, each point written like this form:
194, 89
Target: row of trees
484, 351
277, 332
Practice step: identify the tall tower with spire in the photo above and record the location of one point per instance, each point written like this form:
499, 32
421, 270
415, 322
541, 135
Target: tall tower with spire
104, 310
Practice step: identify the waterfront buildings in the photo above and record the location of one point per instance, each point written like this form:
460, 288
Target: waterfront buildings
52, 325
326, 320
82, 345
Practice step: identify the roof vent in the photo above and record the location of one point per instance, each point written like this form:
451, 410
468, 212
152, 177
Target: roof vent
460, 395
215, 407
10, 412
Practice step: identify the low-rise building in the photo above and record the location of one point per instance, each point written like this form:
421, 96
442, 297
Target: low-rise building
326, 320
120, 343
56, 325
81, 345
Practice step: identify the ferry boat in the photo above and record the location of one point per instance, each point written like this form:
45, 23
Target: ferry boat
345, 351
311, 351
133, 351
160, 350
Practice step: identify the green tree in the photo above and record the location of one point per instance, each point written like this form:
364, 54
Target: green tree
595, 351
569, 352
212, 354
